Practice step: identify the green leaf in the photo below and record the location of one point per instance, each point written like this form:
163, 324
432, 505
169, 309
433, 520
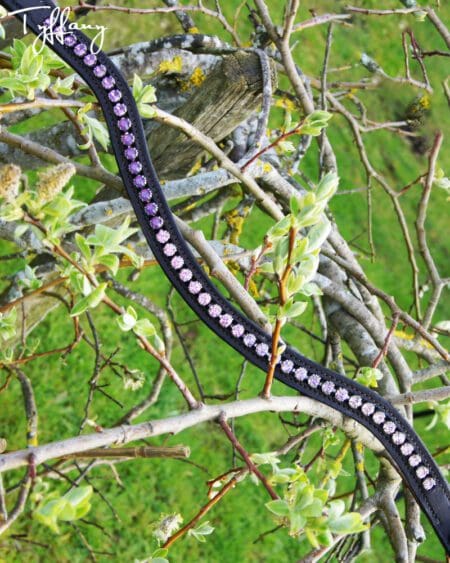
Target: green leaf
279, 507
90, 301
350, 523
144, 328
369, 376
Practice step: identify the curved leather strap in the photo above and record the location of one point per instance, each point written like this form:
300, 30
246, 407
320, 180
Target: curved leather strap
408, 453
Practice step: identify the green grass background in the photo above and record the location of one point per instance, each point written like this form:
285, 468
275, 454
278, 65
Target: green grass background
152, 487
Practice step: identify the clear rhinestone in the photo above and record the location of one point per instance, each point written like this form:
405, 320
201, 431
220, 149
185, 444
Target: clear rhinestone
422, 472
379, 417
414, 460
301, 374
215, 310
429, 484
355, 401
262, 349
237, 331
287, 366
204, 299
163, 236
226, 320
170, 249
70, 40
177, 262
328, 387
249, 339
314, 380
389, 427
398, 438
368, 409
407, 449
185, 275
341, 394
195, 287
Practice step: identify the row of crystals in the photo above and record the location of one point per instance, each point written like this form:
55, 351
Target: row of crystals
156, 222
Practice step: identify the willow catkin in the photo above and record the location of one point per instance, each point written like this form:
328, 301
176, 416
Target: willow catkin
9, 182
52, 181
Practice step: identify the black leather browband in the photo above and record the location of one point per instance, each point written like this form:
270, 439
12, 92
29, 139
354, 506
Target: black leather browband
409, 455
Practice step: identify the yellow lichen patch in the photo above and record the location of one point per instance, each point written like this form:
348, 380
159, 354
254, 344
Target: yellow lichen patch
267, 167
285, 103
197, 77
172, 65
193, 30
195, 168
236, 223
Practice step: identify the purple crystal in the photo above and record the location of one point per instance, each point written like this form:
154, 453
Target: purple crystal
195, 287
124, 124
185, 274
156, 223
120, 109
177, 262
100, 71
287, 366
163, 236
262, 349
368, 408
422, 472
170, 249
237, 331
301, 374
328, 387
131, 153
90, 59
204, 299
414, 460
127, 139
314, 380
379, 417
226, 320
115, 95
249, 339
214, 310
80, 50
407, 449
389, 427
108, 82
151, 209
135, 167
341, 394
398, 438
355, 401
145, 195
429, 484
70, 40
140, 181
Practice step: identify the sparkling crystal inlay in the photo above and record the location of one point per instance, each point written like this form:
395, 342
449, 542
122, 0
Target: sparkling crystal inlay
368, 409
249, 340
262, 349
407, 449
204, 299
389, 427
301, 374
237, 331
379, 417
287, 366
398, 438
355, 401
214, 310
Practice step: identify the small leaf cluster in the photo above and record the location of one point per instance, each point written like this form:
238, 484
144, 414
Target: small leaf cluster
67, 508
306, 509
141, 327
30, 70
306, 212
144, 96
